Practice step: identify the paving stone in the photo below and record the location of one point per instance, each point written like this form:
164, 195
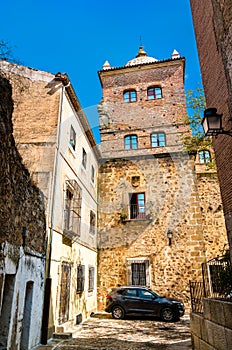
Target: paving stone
134, 333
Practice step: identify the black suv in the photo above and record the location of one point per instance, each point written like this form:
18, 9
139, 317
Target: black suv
141, 300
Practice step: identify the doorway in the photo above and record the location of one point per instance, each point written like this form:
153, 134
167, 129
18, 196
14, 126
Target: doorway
5, 316
24, 345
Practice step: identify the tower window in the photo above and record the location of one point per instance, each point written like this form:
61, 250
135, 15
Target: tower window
204, 157
154, 93
158, 139
131, 142
130, 96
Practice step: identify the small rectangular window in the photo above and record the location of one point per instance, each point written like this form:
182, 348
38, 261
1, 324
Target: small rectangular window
80, 278
131, 142
91, 279
204, 157
138, 272
154, 93
72, 140
130, 96
92, 222
84, 158
158, 140
92, 174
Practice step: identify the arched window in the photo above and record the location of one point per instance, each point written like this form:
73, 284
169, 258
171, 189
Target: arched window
130, 96
131, 142
154, 92
204, 157
158, 139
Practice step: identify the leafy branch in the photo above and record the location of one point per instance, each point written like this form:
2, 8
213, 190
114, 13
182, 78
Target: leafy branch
6, 52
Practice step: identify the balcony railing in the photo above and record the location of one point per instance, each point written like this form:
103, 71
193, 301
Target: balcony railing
136, 212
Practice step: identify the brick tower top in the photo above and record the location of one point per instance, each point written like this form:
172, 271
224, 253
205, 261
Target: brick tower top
143, 108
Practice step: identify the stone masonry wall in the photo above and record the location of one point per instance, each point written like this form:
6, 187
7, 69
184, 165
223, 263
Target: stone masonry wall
21, 201
212, 330
176, 200
35, 129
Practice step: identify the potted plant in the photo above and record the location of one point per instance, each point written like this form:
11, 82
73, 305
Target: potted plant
123, 216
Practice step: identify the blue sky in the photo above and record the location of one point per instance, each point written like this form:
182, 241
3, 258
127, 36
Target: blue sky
76, 37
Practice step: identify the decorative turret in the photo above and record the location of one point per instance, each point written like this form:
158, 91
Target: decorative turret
106, 65
175, 54
141, 58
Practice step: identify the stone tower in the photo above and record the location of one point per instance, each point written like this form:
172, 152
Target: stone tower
151, 217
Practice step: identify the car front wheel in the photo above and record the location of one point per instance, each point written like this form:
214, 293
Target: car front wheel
168, 314
118, 312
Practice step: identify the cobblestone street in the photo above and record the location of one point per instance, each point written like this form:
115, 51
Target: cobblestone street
103, 332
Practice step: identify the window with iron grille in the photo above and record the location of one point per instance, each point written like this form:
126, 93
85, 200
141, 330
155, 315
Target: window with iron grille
91, 279
204, 157
137, 206
72, 209
158, 139
92, 222
80, 278
154, 93
138, 272
131, 142
130, 96
72, 139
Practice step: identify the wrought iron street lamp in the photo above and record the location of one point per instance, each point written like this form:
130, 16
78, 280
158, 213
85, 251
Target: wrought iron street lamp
212, 123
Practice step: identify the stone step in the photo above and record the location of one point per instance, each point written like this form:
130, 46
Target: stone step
64, 335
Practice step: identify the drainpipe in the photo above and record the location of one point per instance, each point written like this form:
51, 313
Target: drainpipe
48, 281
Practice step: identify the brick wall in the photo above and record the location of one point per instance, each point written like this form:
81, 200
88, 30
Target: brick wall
212, 22
165, 114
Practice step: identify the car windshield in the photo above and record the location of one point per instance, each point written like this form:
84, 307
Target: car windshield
156, 294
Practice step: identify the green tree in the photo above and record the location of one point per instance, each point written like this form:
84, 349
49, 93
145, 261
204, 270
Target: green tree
195, 102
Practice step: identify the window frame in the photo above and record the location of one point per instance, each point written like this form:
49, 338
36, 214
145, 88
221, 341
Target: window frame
91, 273
130, 96
137, 206
133, 142
158, 139
80, 278
72, 138
92, 174
72, 209
205, 159
84, 158
145, 262
154, 93
92, 222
